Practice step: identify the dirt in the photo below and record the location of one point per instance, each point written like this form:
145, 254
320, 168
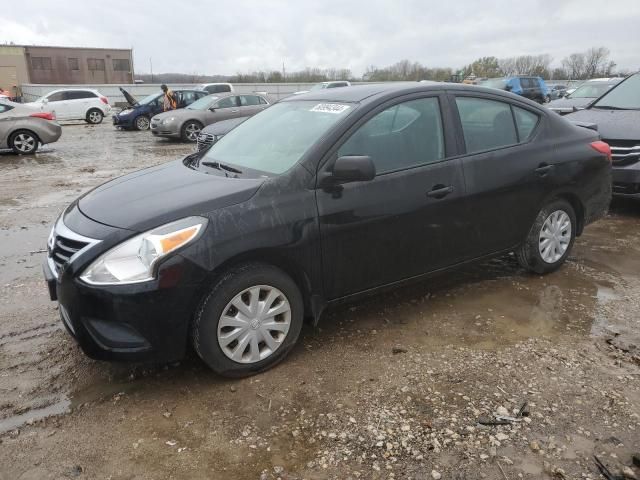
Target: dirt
391, 387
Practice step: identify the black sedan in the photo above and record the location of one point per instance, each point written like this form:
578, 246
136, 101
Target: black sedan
322, 198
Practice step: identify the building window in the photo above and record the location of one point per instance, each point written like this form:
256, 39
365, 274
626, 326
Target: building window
73, 64
121, 64
95, 64
41, 63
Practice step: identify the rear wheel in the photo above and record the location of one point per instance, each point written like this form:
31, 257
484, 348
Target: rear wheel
24, 142
141, 123
249, 321
191, 130
550, 239
94, 116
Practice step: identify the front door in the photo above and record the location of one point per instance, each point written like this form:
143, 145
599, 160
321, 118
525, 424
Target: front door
58, 102
506, 176
405, 221
226, 108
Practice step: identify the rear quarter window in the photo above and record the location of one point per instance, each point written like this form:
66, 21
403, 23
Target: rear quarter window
526, 122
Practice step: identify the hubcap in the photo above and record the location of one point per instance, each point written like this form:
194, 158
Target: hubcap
94, 117
193, 131
24, 142
254, 324
555, 236
142, 123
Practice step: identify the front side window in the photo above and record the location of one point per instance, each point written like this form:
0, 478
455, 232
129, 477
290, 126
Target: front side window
57, 97
227, 102
403, 136
79, 94
277, 138
486, 124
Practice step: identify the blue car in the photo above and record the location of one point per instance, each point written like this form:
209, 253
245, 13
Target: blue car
529, 87
137, 116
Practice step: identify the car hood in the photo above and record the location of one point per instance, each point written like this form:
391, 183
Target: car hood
151, 197
570, 102
180, 113
129, 98
224, 126
612, 124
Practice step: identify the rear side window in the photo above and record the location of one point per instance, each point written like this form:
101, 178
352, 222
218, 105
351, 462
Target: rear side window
526, 122
406, 135
249, 100
486, 124
79, 94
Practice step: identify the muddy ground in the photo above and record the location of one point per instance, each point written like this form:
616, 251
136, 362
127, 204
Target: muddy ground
392, 387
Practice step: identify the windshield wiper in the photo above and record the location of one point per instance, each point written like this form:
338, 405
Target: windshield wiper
221, 166
610, 107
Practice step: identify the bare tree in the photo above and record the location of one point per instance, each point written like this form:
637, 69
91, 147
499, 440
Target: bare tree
597, 63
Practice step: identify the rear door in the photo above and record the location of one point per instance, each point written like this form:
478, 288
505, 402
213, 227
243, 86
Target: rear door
78, 102
250, 105
6, 123
508, 170
404, 222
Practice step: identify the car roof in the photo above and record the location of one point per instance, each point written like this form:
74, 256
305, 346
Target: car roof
359, 93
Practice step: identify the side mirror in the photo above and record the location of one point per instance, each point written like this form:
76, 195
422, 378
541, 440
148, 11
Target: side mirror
353, 169
212, 109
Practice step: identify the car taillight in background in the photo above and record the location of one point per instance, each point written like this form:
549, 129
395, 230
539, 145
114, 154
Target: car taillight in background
104, 100
602, 147
45, 115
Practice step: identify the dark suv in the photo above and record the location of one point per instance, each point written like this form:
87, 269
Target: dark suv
138, 115
529, 87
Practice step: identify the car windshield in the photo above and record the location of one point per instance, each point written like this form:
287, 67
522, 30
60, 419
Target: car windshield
625, 96
590, 90
149, 99
319, 86
500, 83
274, 140
203, 103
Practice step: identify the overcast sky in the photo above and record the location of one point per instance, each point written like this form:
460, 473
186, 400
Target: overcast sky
227, 37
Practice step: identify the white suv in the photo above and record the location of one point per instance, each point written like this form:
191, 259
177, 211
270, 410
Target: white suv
75, 104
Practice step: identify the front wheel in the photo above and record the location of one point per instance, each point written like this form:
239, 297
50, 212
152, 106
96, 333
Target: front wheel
550, 239
191, 130
141, 123
249, 321
94, 116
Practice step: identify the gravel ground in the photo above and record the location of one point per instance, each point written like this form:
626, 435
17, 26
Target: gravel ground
397, 386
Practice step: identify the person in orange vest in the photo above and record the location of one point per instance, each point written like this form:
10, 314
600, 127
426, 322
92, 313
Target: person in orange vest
169, 102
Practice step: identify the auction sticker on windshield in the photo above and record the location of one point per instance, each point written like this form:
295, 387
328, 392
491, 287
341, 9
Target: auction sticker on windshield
330, 108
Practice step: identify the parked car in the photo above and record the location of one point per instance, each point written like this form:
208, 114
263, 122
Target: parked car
5, 94
214, 132
324, 85
187, 122
138, 115
24, 128
318, 200
583, 95
529, 87
216, 87
556, 90
617, 116
75, 104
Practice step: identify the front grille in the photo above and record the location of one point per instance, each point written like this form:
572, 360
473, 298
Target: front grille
624, 152
205, 140
63, 249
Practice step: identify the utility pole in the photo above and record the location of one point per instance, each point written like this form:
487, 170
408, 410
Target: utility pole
151, 68
284, 73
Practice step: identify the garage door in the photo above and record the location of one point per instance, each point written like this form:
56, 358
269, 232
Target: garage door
8, 78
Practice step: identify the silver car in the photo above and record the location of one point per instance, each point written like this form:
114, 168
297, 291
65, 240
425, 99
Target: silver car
186, 123
23, 128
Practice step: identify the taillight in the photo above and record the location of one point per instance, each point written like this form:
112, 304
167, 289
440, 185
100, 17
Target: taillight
602, 147
104, 100
45, 115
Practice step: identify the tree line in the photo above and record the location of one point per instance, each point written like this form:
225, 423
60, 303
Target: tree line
592, 63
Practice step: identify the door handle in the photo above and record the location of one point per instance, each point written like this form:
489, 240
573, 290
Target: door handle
234, 111
543, 169
439, 191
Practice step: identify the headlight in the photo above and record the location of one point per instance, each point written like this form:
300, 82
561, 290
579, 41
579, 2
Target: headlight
133, 260
167, 120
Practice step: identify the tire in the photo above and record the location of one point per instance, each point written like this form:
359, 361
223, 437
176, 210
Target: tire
530, 254
208, 332
94, 116
24, 142
141, 122
190, 131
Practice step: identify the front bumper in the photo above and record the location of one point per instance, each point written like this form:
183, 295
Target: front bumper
125, 121
626, 180
147, 321
159, 130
